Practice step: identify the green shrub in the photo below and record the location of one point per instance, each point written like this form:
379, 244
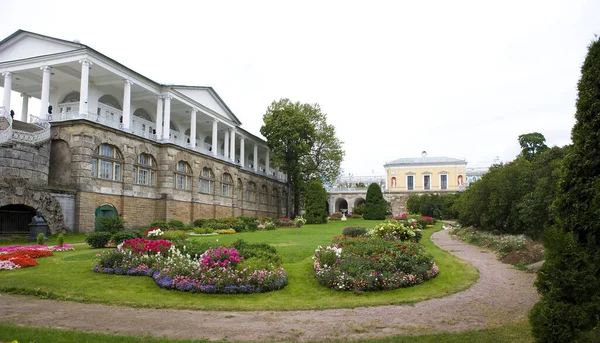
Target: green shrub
315, 203
354, 231
176, 224
270, 226
98, 239
40, 238
199, 222
375, 206
122, 236
360, 209
174, 235
60, 240
111, 224
203, 230
258, 250
111, 259
159, 223
239, 226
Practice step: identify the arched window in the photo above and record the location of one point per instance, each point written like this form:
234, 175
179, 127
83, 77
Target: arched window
111, 101
142, 113
263, 195
71, 97
207, 181
106, 163
251, 192
394, 182
274, 197
183, 176
144, 171
227, 183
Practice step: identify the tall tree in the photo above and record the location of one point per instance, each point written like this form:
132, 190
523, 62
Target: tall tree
532, 144
315, 203
302, 144
375, 204
569, 280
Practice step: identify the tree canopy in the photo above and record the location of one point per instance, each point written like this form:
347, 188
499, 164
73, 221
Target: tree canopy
531, 144
302, 144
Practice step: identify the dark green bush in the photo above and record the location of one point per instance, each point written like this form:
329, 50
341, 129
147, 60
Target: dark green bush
360, 209
176, 224
111, 224
200, 222
354, 231
60, 240
375, 206
270, 226
159, 223
40, 238
122, 236
315, 203
257, 250
98, 239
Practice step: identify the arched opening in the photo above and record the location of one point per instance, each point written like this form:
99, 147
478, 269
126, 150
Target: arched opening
71, 97
460, 180
15, 219
359, 201
142, 113
111, 101
341, 204
60, 163
104, 211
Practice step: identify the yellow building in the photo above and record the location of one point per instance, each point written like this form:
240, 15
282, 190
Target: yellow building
423, 174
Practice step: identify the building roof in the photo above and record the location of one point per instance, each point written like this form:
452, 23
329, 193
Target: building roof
422, 161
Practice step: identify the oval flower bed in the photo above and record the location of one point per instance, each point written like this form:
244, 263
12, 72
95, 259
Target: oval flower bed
380, 261
23, 256
217, 270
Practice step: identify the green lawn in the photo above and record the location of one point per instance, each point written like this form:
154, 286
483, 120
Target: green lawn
69, 276
512, 333
52, 240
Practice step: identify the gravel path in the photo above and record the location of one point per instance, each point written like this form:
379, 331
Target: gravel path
501, 295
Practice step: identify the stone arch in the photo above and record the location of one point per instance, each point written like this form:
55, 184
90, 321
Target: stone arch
15, 219
358, 201
17, 193
60, 163
142, 113
111, 101
71, 97
341, 204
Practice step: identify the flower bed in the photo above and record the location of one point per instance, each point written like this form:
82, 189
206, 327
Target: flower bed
22, 258
13, 248
217, 270
372, 264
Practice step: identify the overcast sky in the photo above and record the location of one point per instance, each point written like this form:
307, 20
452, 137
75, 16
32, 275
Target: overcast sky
459, 79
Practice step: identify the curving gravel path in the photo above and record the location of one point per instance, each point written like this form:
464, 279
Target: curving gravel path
501, 295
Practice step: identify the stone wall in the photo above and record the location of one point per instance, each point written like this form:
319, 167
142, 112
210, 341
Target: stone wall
24, 161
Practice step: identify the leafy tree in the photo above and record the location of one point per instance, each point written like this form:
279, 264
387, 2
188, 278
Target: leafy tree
315, 203
375, 204
531, 144
302, 144
569, 280
290, 136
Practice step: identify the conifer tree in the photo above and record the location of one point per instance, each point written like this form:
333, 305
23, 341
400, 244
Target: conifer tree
375, 204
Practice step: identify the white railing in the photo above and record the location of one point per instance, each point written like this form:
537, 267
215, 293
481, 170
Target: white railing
36, 137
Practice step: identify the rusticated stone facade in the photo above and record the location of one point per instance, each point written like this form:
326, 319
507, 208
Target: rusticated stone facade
74, 147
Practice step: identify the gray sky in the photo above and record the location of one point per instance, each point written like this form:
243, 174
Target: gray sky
459, 79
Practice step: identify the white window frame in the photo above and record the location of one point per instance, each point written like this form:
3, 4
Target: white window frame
424, 176
441, 183
183, 174
107, 155
408, 184
207, 181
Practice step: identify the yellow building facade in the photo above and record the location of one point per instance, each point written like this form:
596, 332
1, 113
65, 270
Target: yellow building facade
424, 174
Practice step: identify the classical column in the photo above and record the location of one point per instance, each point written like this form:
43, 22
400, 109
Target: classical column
127, 105
255, 157
83, 89
167, 121
226, 144
215, 141
267, 162
232, 145
25, 107
242, 151
45, 99
193, 129
8, 76
159, 116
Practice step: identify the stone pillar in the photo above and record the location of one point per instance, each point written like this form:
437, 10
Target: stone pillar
167, 121
8, 77
25, 107
226, 145
255, 157
215, 141
193, 129
83, 89
267, 162
159, 116
242, 151
127, 105
45, 99
232, 145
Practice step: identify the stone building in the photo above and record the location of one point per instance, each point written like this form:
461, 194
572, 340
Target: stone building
107, 140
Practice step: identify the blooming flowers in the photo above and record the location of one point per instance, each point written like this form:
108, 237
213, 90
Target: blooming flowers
155, 233
141, 246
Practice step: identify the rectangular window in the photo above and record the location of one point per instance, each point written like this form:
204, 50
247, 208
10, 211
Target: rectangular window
117, 176
105, 170
134, 175
180, 181
152, 178
226, 190
143, 176
94, 167
426, 182
205, 186
444, 181
410, 182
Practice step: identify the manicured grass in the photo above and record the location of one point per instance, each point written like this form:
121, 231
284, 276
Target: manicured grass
511, 333
52, 240
69, 276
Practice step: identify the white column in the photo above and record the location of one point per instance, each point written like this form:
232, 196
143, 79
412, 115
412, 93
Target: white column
24, 107
267, 162
127, 105
232, 145
159, 116
226, 144
8, 76
255, 157
83, 89
45, 99
215, 141
193, 129
242, 151
167, 121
